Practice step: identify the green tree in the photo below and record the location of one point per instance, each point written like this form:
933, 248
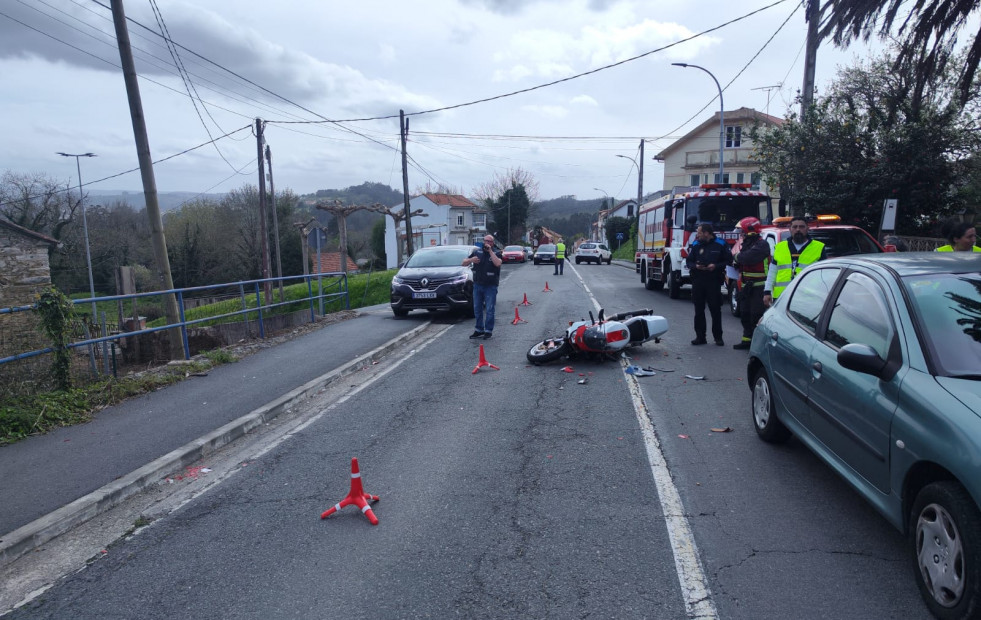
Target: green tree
866, 141
616, 225
509, 213
378, 244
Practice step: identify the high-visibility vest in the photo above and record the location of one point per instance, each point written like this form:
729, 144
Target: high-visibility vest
559, 251
950, 248
786, 265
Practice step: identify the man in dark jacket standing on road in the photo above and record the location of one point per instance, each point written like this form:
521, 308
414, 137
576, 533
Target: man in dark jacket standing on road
707, 260
486, 277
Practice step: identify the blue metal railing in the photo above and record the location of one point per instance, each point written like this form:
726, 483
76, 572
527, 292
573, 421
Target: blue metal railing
329, 287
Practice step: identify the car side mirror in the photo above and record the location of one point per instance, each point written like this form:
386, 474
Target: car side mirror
861, 358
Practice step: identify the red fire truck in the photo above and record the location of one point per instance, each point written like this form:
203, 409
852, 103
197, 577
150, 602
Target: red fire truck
667, 225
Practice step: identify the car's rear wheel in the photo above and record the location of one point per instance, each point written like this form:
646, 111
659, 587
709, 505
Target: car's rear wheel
945, 531
578, 260
768, 427
609, 260
548, 350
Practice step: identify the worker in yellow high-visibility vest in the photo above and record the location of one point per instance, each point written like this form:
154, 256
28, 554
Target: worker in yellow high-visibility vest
961, 235
789, 257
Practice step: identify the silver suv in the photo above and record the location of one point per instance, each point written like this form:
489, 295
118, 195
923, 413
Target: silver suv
594, 252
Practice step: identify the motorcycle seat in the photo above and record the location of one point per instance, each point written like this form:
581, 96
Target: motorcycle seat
638, 330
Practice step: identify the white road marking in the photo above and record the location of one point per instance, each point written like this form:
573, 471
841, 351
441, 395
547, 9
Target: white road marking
691, 577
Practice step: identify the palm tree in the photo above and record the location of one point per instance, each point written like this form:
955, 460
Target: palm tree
927, 30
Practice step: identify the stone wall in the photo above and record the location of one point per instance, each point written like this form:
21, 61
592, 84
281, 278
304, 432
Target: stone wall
24, 274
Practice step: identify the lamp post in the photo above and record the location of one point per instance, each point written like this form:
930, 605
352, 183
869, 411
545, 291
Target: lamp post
722, 110
85, 228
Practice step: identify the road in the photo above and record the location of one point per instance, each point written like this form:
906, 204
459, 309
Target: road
517, 492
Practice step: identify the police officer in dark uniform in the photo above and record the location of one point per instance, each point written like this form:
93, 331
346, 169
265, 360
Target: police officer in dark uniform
706, 261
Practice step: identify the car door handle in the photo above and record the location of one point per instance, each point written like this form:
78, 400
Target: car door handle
774, 336
817, 367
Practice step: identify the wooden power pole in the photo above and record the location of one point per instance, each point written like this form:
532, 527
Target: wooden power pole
813, 17
158, 237
404, 130
272, 200
263, 234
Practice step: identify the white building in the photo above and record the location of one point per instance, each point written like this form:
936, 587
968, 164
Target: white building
693, 159
446, 219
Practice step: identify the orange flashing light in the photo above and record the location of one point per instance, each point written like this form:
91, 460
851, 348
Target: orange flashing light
820, 219
725, 185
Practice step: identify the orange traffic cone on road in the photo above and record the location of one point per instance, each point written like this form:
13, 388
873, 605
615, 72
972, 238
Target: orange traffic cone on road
547, 290
356, 497
517, 318
525, 302
482, 361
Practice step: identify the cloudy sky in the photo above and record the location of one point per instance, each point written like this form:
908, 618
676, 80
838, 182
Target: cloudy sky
558, 88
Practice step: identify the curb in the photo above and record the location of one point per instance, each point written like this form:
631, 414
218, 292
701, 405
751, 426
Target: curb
28, 537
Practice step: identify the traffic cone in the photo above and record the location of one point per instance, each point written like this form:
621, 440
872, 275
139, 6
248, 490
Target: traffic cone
547, 290
517, 318
356, 497
525, 302
482, 361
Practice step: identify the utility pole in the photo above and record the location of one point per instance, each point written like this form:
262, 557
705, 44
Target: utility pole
146, 172
404, 130
264, 236
813, 17
640, 180
272, 193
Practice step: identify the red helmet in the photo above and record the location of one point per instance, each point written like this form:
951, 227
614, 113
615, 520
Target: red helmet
750, 225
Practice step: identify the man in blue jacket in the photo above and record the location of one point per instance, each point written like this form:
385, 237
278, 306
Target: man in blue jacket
707, 260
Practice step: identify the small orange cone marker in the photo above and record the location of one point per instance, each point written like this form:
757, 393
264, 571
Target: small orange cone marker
517, 318
482, 361
356, 497
547, 290
526, 302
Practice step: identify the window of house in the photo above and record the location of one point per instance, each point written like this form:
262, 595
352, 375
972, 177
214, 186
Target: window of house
734, 136
478, 220
725, 178
740, 177
459, 219
694, 180
754, 180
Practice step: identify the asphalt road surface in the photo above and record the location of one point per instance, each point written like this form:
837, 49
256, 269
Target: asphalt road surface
525, 492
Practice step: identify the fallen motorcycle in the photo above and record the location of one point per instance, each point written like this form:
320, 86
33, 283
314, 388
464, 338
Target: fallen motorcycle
602, 337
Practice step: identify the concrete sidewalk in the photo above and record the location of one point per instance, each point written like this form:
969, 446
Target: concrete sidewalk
53, 482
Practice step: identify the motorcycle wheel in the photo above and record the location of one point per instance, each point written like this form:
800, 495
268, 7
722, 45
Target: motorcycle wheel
548, 351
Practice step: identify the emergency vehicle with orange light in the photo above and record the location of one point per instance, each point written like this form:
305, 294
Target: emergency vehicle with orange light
666, 228
838, 239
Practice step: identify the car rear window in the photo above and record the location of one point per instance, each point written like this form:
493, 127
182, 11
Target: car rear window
513, 248
546, 248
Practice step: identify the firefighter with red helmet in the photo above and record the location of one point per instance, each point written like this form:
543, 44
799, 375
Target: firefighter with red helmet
752, 261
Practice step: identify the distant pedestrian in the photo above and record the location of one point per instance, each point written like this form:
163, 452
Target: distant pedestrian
961, 235
559, 258
752, 261
789, 257
707, 260
486, 264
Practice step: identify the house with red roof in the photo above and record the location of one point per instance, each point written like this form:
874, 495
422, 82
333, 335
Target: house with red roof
446, 219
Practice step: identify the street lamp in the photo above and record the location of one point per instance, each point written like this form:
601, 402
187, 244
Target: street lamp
85, 228
722, 110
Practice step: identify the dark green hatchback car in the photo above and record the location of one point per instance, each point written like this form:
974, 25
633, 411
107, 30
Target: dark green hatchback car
874, 362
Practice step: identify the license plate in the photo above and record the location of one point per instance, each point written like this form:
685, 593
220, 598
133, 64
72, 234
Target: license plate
423, 295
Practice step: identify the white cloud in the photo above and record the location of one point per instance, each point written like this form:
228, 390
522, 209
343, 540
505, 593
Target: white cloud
585, 100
